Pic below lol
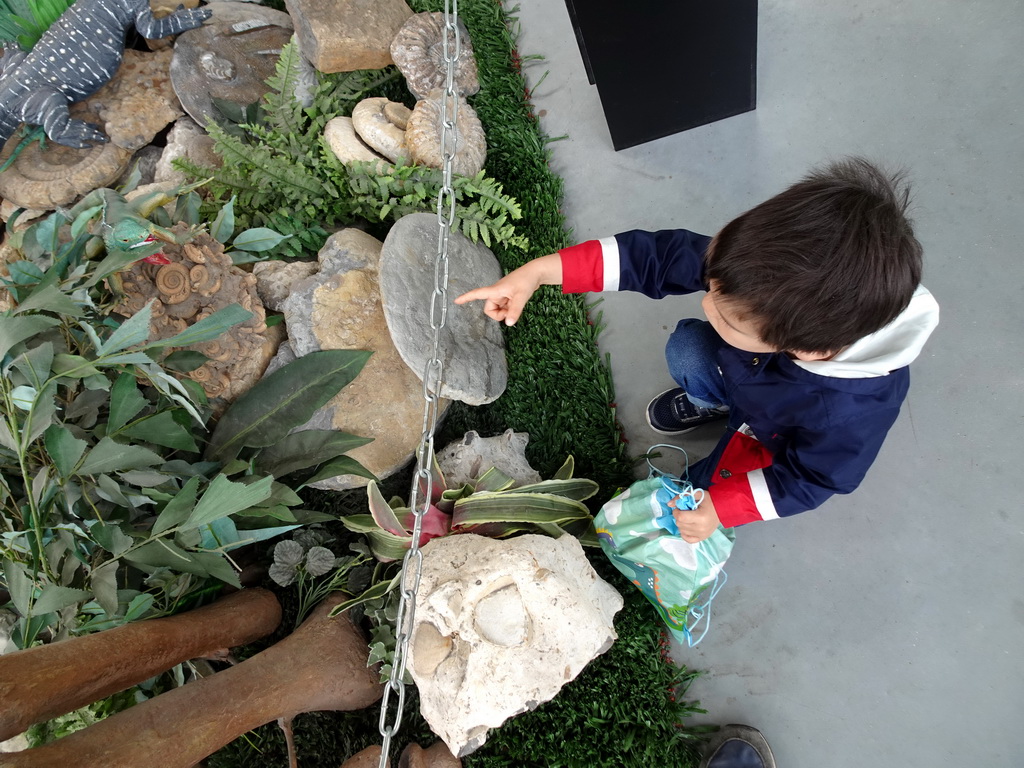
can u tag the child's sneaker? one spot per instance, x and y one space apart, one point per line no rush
672 413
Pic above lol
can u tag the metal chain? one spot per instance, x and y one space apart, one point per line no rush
433 375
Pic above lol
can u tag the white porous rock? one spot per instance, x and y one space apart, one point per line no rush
465 460
501 626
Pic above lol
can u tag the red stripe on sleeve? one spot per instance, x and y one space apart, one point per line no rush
582 267
731 493
734 502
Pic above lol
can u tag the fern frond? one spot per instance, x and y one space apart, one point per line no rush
284 113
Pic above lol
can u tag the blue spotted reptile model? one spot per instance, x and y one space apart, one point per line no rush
74 58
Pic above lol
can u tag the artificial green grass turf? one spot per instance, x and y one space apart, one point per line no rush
619 711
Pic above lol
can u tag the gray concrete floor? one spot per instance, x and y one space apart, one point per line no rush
887 627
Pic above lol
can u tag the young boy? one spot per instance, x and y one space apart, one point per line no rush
814 311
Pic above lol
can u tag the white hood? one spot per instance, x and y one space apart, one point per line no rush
896 345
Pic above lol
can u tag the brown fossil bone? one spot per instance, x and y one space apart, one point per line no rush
413 756
42 682
320 666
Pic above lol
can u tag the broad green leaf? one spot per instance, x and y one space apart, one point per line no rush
309 448
25 273
161 553
138 607
23 397
494 480
46 231
104 586
162 429
111 538
187 208
115 261
14 330
223 534
382 513
184 360
6 438
74 366
258 239
79 225
207 329
578 488
54 598
378 590
224 225
134 330
144 478
44 409
126 402
179 508
284 400
35 364
343 465
134 177
258 517
223 498
282 494
217 566
240 257
359 523
19 585
386 546
566 470
63 448
109 456
516 508
50 298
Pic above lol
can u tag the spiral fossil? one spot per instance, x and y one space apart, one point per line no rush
199 281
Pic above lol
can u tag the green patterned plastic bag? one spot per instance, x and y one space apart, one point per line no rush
637 531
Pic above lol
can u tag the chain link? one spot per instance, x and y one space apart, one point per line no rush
433 375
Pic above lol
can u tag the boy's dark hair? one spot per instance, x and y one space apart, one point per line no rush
828 261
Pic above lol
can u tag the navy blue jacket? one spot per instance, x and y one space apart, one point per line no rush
798 431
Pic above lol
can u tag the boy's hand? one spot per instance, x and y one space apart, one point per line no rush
697 524
504 301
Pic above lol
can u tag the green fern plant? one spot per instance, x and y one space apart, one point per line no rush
285 177
483 211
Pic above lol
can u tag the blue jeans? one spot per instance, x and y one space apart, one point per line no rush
690 353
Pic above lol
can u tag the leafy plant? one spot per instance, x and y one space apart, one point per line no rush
109 510
25 21
305 558
382 191
491 505
284 176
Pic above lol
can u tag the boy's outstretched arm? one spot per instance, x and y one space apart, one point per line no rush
506 298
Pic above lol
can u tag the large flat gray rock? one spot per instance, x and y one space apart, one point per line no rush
472 347
339 307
